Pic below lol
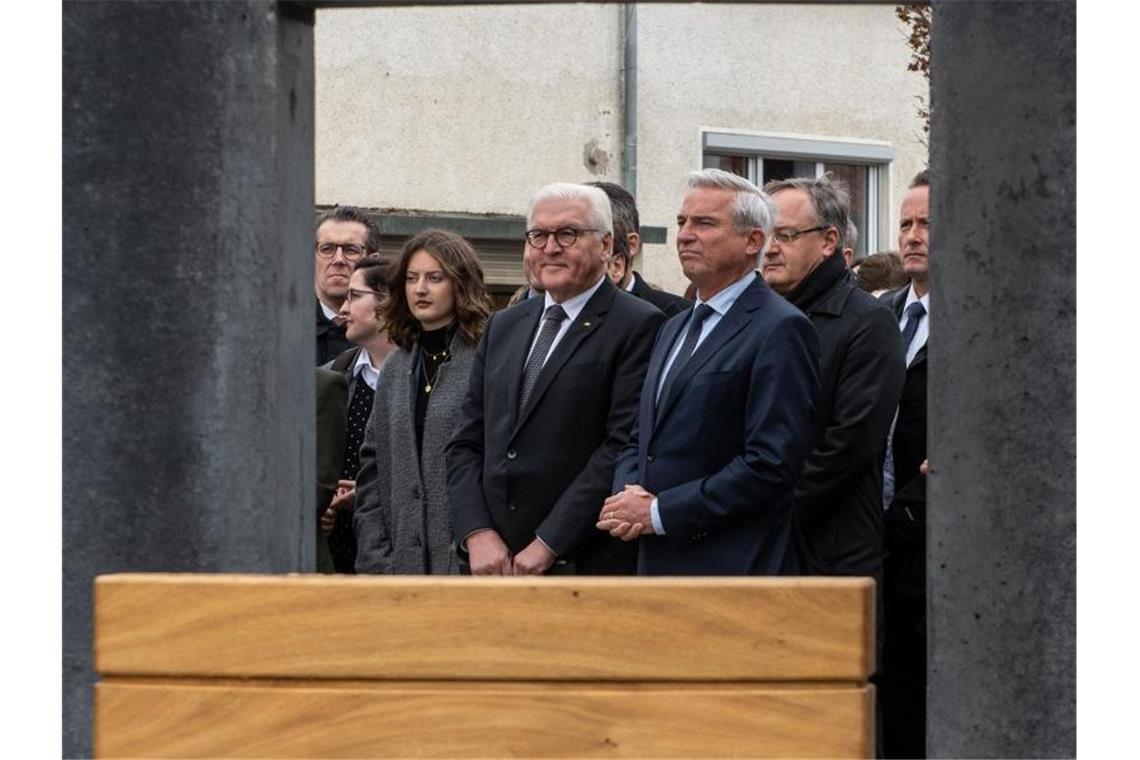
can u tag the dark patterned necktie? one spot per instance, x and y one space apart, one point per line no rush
701 313
551 321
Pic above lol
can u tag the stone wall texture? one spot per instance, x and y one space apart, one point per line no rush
1002 519
187 301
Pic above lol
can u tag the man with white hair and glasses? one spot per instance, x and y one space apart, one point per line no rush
552 397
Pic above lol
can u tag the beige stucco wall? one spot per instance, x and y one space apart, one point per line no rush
463 109
471 109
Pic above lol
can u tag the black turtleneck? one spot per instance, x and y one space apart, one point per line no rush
434 353
819 282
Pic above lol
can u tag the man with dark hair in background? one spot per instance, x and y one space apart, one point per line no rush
344 234
627 246
903 683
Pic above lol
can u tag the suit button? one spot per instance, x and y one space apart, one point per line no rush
511 454
648 457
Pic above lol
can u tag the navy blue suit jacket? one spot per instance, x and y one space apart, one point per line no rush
722 452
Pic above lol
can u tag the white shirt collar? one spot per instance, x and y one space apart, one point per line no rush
911 297
723 301
329 313
573 306
363 367
632 282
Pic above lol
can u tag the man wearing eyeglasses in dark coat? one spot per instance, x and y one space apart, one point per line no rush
344 234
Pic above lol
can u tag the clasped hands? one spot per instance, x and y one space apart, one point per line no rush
626 514
489 555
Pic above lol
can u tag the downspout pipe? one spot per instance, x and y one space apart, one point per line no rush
629 98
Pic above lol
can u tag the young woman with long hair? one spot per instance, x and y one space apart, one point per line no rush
435 313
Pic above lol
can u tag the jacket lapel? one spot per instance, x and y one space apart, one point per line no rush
589 319
730 324
669 333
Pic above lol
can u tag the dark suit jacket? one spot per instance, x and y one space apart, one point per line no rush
838 522
906 514
330 339
332 406
666 302
546 469
723 450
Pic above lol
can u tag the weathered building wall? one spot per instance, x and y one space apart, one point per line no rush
471 109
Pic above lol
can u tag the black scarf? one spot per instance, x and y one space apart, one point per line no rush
819 281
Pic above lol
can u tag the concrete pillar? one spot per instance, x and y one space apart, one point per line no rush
1002 494
188 387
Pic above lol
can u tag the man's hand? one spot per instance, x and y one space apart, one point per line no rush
488 554
535 559
625 515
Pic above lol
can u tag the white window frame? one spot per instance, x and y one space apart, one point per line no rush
876 155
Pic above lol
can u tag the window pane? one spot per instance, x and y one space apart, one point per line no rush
738 165
854 177
779 168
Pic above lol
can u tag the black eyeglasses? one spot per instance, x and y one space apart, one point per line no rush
565 237
790 236
353 293
352 252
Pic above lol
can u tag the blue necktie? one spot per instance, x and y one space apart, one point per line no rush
914 314
699 316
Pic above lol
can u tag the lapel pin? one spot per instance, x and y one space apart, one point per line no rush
585 324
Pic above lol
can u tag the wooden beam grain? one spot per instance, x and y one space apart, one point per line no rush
595 629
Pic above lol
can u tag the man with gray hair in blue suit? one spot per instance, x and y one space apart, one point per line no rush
725 417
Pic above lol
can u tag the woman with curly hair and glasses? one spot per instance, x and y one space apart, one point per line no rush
435 313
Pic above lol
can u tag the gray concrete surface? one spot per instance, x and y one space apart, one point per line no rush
1002 512
187 301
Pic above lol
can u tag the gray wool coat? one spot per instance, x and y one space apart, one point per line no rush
402 518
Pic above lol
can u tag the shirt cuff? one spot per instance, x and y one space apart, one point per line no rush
655 518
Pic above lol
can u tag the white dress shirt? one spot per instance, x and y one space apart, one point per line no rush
330 314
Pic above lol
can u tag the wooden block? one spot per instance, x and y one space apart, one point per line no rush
536 720
666 629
